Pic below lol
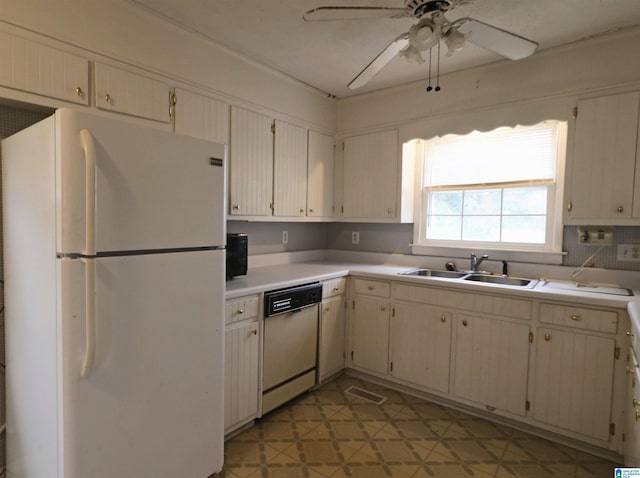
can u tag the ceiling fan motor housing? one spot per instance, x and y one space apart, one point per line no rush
419 8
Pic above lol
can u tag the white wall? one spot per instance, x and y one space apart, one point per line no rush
542 86
120 31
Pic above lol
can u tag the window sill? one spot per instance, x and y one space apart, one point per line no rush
535 257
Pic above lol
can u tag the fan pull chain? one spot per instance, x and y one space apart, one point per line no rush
429 87
438 70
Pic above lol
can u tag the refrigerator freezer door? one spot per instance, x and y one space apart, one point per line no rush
153 189
152 405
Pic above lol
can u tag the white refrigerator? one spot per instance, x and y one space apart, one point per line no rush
114 255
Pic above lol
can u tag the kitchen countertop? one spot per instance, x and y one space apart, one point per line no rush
271 277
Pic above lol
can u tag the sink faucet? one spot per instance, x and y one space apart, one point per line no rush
475 261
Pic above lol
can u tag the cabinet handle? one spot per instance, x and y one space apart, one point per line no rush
620 209
371 287
107 98
637 416
547 337
629 334
635 402
464 323
570 206
443 319
79 91
240 311
254 332
576 317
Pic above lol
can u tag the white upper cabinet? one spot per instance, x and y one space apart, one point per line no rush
320 167
41 69
133 94
201 116
603 168
250 163
370 176
289 170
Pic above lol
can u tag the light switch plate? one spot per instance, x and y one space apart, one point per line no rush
355 237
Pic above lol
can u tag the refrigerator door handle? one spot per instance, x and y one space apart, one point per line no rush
90 191
90 319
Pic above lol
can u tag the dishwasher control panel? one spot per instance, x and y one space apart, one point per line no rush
291 299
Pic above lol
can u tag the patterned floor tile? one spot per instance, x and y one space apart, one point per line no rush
329 433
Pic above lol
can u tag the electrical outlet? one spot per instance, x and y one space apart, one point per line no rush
355 237
628 252
285 237
595 237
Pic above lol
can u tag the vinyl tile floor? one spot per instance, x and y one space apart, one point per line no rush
332 433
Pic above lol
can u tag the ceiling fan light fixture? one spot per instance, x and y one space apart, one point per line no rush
412 54
425 34
455 40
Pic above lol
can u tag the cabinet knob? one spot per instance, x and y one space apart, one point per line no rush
465 323
336 289
443 319
389 211
236 207
635 402
240 311
547 337
107 98
576 317
382 307
79 91
630 370
569 206
301 211
371 287
310 211
326 310
629 334
620 209
637 416
254 332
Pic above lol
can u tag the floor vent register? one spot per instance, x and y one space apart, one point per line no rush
365 395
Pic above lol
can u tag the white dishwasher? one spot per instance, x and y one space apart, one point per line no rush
290 348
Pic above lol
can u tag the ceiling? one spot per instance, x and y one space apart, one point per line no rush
329 54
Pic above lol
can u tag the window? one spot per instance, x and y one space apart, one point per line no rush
493 190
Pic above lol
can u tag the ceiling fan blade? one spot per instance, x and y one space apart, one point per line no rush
351 13
495 39
380 61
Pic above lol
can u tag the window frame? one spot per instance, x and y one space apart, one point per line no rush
550 252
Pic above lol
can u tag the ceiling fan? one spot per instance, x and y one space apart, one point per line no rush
432 26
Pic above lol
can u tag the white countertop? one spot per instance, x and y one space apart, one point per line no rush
270 277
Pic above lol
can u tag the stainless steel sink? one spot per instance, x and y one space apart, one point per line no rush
502 280
435 273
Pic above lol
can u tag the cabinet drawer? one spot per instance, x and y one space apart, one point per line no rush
241 309
579 317
372 287
334 287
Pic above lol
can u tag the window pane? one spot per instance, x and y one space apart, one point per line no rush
481 228
444 227
482 201
524 229
446 202
525 201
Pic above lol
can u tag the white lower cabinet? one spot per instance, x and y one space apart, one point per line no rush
421 345
370 335
491 363
332 337
632 407
241 379
573 382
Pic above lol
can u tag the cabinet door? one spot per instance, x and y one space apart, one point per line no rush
421 345
129 93
320 163
491 363
332 336
371 175
36 68
241 374
573 383
632 427
604 157
289 170
250 163
201 116
370 335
